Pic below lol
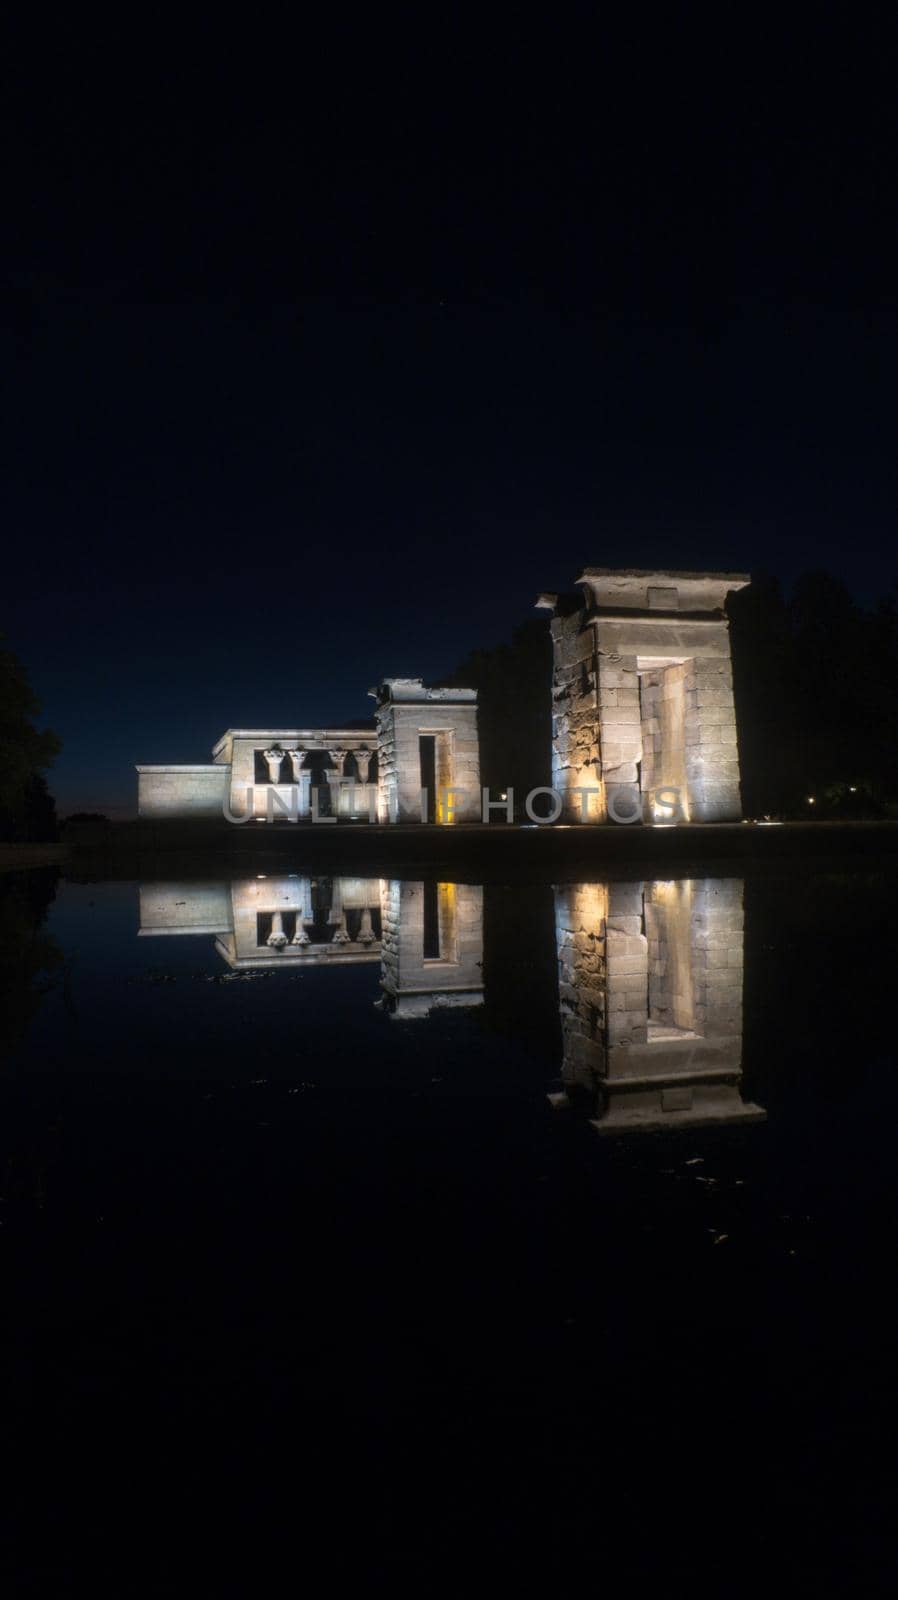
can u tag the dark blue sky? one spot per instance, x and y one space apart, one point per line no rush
311 380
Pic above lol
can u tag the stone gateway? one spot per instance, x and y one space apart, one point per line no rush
643 720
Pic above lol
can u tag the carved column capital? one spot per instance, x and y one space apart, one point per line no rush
273 759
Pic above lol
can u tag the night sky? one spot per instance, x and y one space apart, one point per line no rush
322 357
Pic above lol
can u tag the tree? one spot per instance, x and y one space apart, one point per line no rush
514 708
26 808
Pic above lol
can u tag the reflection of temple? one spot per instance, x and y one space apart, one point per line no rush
428 937
432 946
650 990
272 922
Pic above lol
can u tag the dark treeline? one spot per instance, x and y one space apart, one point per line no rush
30 960
514 694
816 686
27 809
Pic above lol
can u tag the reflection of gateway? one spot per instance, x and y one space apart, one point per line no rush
428 937
432 946
650 989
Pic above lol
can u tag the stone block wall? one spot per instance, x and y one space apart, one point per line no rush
717 957
186 792
619 731
575 734
176 908
580 913
711 749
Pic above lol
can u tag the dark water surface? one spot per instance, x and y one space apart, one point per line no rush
386 1232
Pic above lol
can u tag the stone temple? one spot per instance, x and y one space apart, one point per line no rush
423 739
643 721
643 727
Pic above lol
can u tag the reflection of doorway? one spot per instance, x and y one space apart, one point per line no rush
668 926
440 931
662 709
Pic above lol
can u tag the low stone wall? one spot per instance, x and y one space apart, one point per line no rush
187 792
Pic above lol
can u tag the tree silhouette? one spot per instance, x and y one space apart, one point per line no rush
26 808
514 708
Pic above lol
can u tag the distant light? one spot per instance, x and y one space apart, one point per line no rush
503 795
261 874
852 788
811 800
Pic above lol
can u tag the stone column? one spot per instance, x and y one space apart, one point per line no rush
366 931
277 937
620 734
363 762
337 916
273 759
335 779
302 778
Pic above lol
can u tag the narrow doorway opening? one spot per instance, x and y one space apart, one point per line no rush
427 746
662 709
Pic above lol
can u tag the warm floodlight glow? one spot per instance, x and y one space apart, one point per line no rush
811 800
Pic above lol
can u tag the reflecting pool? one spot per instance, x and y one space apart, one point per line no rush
401 1228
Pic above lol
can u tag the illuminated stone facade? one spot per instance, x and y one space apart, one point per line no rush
337 774
643 720
407 714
